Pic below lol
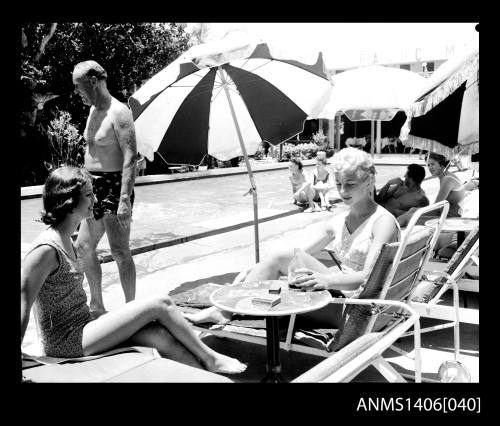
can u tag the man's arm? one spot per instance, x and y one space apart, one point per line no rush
388 189
125 134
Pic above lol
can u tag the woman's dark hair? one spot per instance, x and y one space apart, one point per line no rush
441 159
296 161
61 193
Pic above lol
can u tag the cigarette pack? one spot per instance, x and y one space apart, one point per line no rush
275 288
268 301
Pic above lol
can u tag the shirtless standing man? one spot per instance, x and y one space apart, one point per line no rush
111 157
399 196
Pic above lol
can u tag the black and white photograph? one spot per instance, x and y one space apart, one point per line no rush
250 202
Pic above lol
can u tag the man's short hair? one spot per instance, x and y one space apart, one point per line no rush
92 69
416 172
297 162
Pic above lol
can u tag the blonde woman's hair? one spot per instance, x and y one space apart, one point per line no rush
353 160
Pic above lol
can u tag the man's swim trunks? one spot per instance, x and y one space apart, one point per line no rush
107 187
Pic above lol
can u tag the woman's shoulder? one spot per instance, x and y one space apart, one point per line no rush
42 252
44 243
382 218
382 212
451 179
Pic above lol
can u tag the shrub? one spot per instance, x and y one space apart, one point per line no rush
66 144
304 151
320 139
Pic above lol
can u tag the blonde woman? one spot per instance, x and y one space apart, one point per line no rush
356 235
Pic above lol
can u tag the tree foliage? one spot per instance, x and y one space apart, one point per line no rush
131 53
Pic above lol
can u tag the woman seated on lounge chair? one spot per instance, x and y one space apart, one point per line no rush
52 278
357 236
451 189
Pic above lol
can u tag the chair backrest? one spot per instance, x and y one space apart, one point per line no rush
456 265
359 319
401 275
392 276
412 254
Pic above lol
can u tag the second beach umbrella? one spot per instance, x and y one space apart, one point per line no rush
372 93
223 99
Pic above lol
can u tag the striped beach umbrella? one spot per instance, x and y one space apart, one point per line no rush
224 99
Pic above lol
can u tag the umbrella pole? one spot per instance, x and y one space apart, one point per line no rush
253 188
372 137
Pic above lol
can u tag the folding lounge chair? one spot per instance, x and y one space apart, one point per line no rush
426 297
131 364
374 321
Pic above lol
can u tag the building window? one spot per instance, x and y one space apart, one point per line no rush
430 66
405 67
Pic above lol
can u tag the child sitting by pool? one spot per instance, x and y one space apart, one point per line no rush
299 182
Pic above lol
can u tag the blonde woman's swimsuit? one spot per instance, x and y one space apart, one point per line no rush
352 248
61 308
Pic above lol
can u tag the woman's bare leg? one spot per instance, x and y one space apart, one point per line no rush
121 324
322 199
270 269
310 193
277 265
156 336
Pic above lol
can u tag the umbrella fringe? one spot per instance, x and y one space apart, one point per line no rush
438 148
469 69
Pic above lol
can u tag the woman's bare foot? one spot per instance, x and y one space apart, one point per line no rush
224 364
211 315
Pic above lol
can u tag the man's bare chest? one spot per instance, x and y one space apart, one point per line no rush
99 130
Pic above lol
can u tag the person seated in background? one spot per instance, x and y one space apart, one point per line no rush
320 183
299 183
398 196
313 188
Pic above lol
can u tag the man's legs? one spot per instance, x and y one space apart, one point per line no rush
119 238
89 235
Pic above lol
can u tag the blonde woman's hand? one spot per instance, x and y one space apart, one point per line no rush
309 280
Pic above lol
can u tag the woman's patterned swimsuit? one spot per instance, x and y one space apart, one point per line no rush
61 308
